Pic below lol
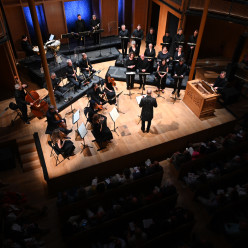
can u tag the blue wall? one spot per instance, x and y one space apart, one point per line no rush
73 8
120 12
42 22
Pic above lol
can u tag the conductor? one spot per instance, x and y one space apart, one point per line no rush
147 103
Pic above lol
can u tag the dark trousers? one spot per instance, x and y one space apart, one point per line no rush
161 83
141 79
24 111
76 83
190 55
124 47
178 84
130 81
138 43
59 92
150 69
148 125
96 38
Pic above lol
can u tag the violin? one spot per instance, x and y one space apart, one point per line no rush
39 106
98 106
112 81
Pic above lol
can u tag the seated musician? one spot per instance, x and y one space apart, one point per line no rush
220 82
151 38
150 53
134 49
161 75
143 66
95 25
109 89
164 54
100 128
71 74
58 90
62 144
95 93
92 109
179 72
54 122
138 33
124 33
167 39
26 46
131 67
178 54
85 65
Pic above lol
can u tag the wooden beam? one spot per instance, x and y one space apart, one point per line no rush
199 38
31 4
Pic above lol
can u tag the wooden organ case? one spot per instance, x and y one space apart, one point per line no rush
200 97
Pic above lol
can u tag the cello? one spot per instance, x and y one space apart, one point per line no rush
39 106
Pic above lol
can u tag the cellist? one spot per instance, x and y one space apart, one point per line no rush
20 101
54 121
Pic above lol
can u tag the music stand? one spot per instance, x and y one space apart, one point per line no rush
114 116
82 132
122 44
175 96
68 37
138 99
100 48
117 101
130 73
143 80
159 95
72 110
75 118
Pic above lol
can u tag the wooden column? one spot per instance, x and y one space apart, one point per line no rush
140 10
199 38
31 4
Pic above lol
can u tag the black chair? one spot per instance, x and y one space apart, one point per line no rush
98 140
55 153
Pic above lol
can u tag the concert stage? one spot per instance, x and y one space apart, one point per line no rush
173 127
38 77
106 42
119 73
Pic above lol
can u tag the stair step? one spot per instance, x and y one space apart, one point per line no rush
27 148
28 157
23 142
32 165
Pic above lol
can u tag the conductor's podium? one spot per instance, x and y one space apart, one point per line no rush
200 97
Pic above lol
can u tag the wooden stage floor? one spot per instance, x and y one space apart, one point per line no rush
171 122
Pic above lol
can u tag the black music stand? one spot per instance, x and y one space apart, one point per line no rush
138 99
68 37
143 80
130 73
159 95
82 132
122 45
165 44
72 109
99 45
175 98
117 101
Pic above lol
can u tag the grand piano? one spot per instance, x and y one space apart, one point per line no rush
200 97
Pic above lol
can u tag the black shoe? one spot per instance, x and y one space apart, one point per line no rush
143 130
27 122
69 131
144 88
178 94
147 131
173 92
140 87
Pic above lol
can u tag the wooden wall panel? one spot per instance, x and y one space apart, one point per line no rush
140 10
109 14
17 26
55 18
128 12
163 19
219 39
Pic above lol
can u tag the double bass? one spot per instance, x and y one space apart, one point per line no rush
39 106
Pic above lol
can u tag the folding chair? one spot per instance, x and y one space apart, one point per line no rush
55 153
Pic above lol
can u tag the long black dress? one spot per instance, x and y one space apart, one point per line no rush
104 134
110 95
67 148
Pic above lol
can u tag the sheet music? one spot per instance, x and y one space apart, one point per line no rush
75 117
51 37
114 114
82 130
138 98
